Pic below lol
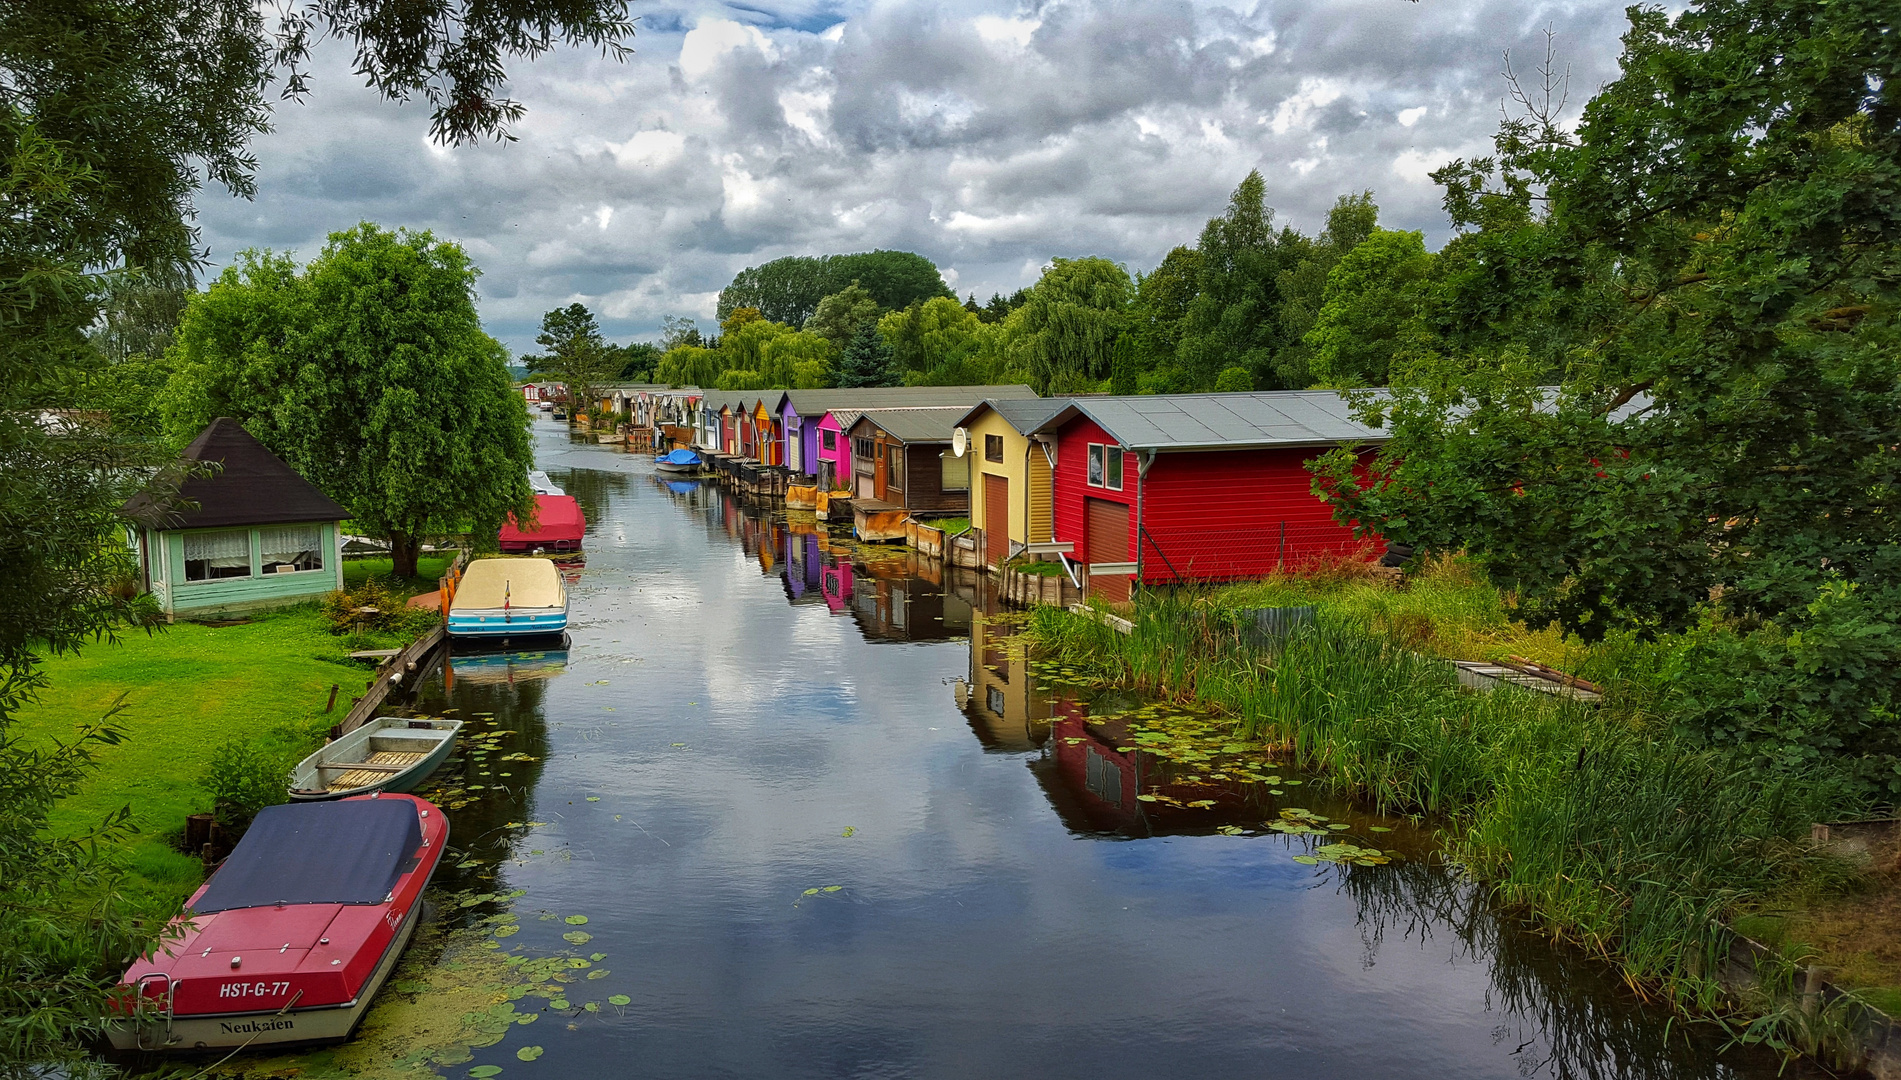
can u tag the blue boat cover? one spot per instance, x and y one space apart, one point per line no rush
348 852
680 457
682 487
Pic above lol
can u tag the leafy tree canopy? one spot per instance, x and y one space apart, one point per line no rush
370 374
1061 339
1371 310
788 290
840 315
1709 272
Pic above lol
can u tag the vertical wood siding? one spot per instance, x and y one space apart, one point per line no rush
1220 515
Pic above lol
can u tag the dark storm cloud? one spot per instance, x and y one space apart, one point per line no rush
988 138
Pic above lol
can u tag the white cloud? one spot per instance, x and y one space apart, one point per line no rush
989 140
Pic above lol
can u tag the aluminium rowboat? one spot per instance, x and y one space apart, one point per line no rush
390 753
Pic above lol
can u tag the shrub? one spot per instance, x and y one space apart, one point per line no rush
244 779
344 609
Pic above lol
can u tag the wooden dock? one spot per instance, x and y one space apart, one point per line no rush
1483 675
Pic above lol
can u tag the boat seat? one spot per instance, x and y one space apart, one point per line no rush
388 761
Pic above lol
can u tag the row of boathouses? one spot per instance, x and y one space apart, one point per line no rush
1113 489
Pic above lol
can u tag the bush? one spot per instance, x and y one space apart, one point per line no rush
244 779
344 609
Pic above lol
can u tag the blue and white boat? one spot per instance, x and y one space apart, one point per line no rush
509 598
678 461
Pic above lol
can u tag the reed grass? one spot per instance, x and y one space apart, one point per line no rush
1593 823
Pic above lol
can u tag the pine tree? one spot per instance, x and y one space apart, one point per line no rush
867 360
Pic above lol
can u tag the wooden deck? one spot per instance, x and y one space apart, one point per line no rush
388 760
1481 675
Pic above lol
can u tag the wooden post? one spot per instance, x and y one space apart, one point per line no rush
332 703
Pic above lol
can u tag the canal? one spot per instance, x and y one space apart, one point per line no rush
785 808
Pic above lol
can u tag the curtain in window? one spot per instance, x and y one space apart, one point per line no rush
288 548
217 555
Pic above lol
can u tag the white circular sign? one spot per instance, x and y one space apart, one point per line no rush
960 441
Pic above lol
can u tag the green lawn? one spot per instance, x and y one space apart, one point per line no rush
188 689
428 569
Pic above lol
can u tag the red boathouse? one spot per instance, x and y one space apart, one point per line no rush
1198 487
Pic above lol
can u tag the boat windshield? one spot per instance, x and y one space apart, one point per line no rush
348 852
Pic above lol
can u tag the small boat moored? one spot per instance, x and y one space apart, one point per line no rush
678 461
295 933
390 753
509 598
559 526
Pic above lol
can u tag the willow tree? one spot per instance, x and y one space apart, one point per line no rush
370 374
1063 337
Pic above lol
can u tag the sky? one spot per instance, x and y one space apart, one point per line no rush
989 138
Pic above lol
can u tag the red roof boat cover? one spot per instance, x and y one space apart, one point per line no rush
348 852
561 522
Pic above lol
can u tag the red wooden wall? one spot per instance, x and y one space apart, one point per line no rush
1070 486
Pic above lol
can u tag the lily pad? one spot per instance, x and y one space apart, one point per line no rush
528 1053
486 1070
592 1006
598 957
559 1003
578 937
620 999
576 920
597 973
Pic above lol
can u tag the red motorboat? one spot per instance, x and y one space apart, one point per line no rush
297 930
560 525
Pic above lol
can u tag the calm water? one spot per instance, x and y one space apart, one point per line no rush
739 696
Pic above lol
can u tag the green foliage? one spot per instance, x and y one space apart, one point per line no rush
376 604
1371 310
574 353
244 779
1710 277
937 336
689 365
1063 338
1234 378
1232 318
788 290
839 316
637 360
370 374
867 360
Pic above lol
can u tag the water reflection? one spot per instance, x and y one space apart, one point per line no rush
1005 904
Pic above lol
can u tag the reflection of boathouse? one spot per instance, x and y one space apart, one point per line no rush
803 568
1000 700
1091 784
893 603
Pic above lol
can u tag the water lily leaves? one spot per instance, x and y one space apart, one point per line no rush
1377 828
593 798
559 1003
578 937
1230 830
1308 859
620 999
848 831
598 957
528 1053
576 920
506 931
809 892
597 973
1336 826
486 1070
1148 798
502 1008
577 963
527 1018
833 888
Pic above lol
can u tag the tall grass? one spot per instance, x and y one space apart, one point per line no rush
1605 832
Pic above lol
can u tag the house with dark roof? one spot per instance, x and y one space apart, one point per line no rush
903 466
802 416
1197 487
245 534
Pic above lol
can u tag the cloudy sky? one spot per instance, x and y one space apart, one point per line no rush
988 137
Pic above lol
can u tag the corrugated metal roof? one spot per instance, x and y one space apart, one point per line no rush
819 402
1222 421
928 424
1023 414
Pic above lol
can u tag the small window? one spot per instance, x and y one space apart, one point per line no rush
1113 454
215 556
290 549
1095 464
894 464
830 439
993 448
993 698
862 448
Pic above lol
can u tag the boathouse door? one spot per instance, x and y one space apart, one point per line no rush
996 518
1108 542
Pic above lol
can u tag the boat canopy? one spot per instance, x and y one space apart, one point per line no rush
558 518
522 583
680 457
348 852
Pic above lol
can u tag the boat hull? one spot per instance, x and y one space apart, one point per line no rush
675 470
306 779
329 1024
514 623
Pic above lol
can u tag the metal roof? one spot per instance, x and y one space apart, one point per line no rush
1222 421
1023 414
928 424
820 402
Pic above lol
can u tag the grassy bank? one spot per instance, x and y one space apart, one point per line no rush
188 690
1594 822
